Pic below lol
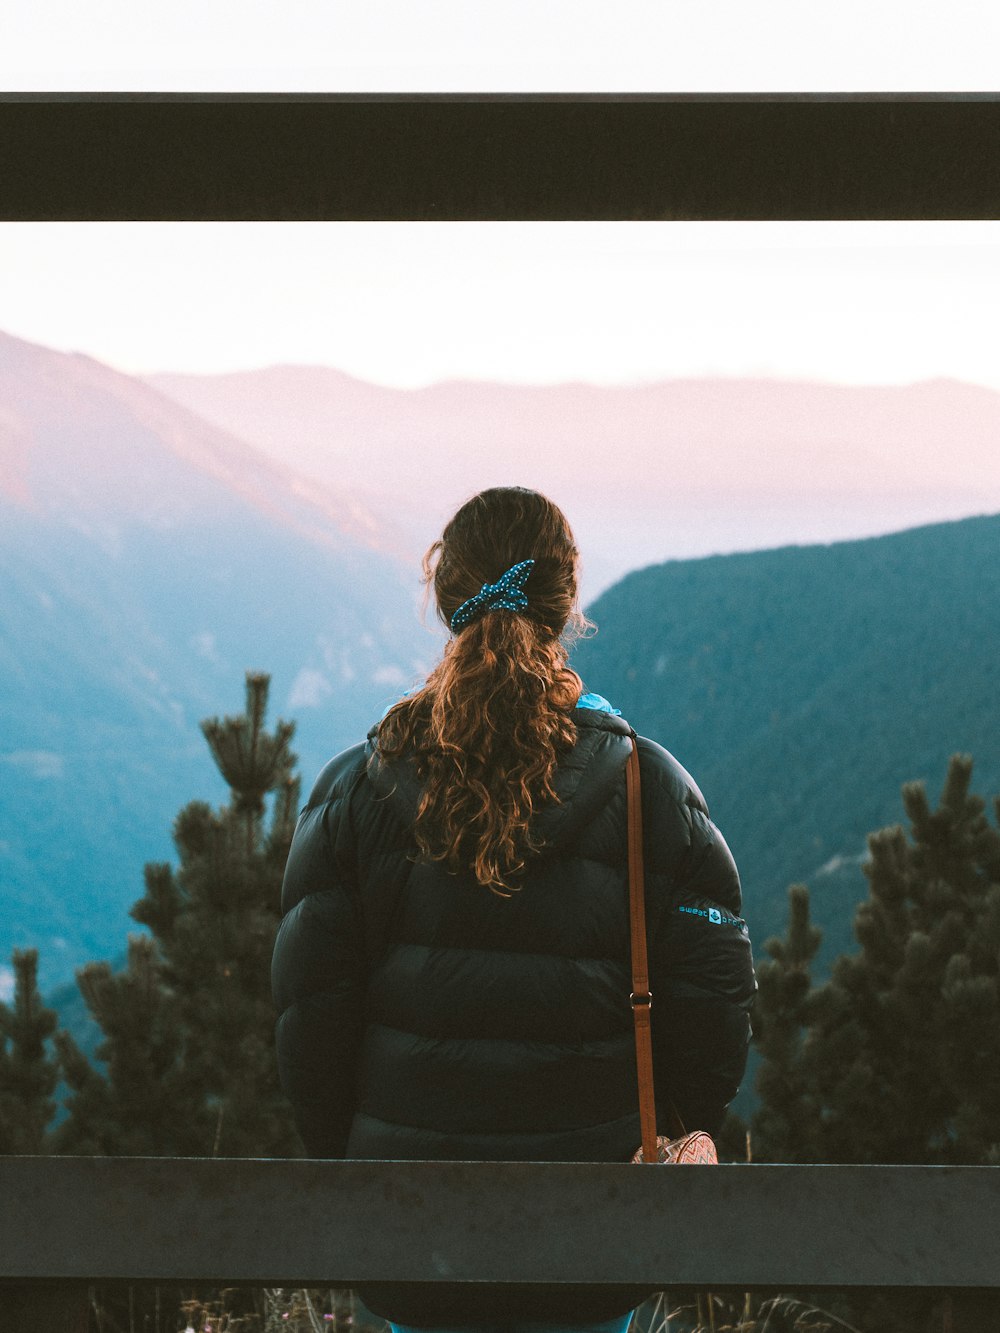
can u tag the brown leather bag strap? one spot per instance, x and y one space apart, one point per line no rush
641 998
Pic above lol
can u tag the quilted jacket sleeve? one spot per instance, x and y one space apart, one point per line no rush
701 969
318 966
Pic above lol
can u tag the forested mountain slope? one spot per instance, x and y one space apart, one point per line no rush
803 686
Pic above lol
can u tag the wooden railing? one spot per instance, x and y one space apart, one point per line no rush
67 1222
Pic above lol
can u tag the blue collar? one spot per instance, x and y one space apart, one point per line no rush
598 703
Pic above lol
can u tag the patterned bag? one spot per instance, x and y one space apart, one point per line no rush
656 1148
690 1149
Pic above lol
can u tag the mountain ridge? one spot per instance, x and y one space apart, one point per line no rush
644 472
87 388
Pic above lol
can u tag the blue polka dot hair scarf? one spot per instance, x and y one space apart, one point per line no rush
505 595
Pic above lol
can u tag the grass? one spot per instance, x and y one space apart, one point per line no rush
714 1314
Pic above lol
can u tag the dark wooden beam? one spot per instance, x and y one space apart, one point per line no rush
436 157
294 1223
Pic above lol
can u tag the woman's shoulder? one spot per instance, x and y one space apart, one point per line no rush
679 825
657 764
339 775
660 766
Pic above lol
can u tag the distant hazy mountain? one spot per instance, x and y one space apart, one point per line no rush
148 559
646 472
803 686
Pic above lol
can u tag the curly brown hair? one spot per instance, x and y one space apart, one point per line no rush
488 725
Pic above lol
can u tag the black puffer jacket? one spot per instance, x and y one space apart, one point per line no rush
421 1016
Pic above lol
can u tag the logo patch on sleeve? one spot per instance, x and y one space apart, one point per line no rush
714 915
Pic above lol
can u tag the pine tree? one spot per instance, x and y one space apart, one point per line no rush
783 1128
146 1103
28 1074
897 1057
913 1020
188 1026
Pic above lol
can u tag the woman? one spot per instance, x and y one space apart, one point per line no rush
452 971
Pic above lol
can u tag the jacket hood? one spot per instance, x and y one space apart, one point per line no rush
586 778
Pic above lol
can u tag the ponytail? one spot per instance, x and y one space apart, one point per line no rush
488 726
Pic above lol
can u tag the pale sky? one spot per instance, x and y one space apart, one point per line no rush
413 303
408 304
510 46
